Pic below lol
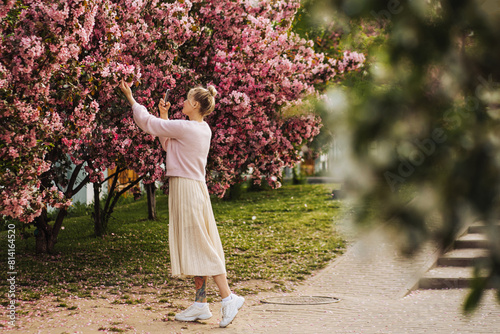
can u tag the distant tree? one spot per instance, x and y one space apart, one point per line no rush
428 122
336 36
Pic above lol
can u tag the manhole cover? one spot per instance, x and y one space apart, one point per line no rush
303 300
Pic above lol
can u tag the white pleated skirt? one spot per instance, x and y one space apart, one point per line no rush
194 242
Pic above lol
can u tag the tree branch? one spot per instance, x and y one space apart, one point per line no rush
72 180
109 210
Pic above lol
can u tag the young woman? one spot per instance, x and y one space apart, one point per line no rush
195 246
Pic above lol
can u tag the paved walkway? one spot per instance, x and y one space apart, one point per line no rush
371 280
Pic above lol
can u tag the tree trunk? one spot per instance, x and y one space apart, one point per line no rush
98 224
101 215
298 176
234 192
43 233
46 235
151 194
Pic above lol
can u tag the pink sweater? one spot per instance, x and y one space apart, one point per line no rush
187 142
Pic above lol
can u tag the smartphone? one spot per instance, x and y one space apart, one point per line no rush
166 95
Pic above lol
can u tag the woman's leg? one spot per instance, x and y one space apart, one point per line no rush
230 304
221 281
199 310
201 288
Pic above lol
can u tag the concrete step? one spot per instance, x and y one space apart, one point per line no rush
462 257
480 227
446 278
472 240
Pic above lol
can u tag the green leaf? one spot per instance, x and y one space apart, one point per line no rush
477 289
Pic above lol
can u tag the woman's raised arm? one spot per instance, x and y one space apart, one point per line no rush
127 91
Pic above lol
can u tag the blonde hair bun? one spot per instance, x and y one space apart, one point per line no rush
211 89
206 98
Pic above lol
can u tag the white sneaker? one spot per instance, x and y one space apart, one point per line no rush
193 313
230 308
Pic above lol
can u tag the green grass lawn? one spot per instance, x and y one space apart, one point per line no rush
272 235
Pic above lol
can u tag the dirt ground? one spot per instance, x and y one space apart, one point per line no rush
139 311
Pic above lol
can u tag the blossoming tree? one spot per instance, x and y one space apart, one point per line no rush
60 63
46 108
260 69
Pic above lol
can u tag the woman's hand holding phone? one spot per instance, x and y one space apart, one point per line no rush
164 106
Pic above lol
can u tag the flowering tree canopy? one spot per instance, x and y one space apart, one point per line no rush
46 108
60 62
260 68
